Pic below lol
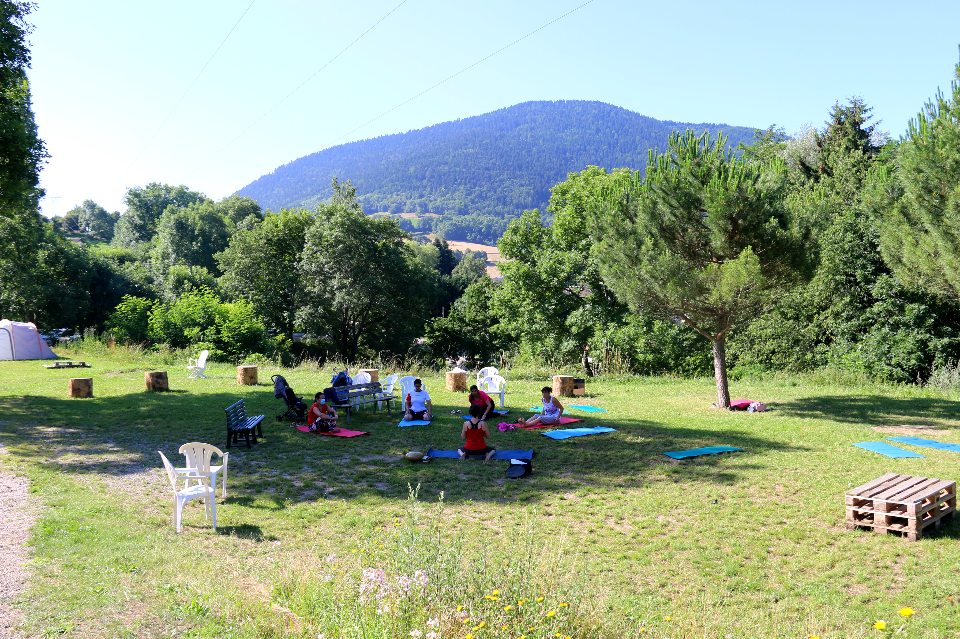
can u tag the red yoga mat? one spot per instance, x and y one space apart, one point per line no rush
563 420
343 432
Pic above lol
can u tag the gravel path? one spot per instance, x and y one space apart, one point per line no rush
15 521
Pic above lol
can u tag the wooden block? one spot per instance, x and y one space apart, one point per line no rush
246 375
156 381
456 381
901 503
563 385
373 372
80 387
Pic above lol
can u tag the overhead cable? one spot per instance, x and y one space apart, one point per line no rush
461 71
184 94
271 109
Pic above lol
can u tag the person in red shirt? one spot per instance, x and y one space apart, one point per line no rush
474 435
321 416
479 398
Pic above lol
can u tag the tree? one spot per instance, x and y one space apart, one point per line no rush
367 290
190 236
261 265
920 238
704 238
237 208
145 205
21 150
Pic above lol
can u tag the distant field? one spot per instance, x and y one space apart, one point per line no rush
493 254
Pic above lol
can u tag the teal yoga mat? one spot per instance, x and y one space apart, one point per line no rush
413 422
696 452
926 443
587 409
578 432
886 449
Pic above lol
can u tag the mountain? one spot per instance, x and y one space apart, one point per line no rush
471 176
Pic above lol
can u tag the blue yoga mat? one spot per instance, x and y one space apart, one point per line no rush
578 432
886 449
709 450
496 412
587 409
413 422
500 454
926 443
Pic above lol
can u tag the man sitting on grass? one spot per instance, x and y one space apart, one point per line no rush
419 405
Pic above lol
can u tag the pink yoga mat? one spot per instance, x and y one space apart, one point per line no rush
563 420
343 432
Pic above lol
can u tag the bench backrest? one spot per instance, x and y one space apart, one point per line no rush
236 413
346 393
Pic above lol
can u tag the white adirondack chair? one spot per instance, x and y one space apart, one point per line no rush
387 387
181 496
406 387
484 373
494 385
199 456
198 366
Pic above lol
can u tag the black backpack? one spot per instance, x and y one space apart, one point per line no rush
519 468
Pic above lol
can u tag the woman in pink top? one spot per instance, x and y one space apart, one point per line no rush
479 398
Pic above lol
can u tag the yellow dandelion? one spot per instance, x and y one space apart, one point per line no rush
667 618
354 550
564 605
906 612
643 629
539 599
880 625
475 628
551 613
495 592
507 608
396 520
466 621
469 636
459 608
482 624
520 602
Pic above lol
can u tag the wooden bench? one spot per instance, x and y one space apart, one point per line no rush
239 424
359 394
67 365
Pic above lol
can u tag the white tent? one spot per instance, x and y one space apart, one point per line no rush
20 340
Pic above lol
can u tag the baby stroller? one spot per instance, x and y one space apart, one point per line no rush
295 405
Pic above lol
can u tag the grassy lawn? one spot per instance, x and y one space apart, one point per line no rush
608 537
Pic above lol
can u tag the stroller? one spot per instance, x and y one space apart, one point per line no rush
295 405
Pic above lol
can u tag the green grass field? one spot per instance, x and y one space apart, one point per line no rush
608 537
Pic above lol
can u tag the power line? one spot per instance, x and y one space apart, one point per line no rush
184 95
271 109
462 71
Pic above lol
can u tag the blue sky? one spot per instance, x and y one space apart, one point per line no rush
106 73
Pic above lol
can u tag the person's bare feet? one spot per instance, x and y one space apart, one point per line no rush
462 456
489 455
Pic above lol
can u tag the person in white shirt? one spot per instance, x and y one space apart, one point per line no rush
418 404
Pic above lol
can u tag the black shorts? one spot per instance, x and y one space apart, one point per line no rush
482 451
420 414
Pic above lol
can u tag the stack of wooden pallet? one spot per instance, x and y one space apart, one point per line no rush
901 503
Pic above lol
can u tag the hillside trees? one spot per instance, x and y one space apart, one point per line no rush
145 205
704 237
261 265
367 292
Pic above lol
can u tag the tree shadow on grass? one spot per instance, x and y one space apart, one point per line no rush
875 410
246 531
119 435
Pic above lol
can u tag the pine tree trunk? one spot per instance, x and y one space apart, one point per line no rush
720 371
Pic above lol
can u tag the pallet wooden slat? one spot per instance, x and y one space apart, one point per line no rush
901 503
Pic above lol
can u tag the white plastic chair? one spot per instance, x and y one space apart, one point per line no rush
180 497
484 373
198 366
387 387
199 456
494 385
406 387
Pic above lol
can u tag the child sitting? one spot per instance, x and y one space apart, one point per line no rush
322 417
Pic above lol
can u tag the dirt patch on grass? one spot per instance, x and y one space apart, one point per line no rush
909 429
16 518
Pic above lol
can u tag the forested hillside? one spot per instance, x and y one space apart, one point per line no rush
477 173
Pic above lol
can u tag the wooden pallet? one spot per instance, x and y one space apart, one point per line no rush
67 365
901 503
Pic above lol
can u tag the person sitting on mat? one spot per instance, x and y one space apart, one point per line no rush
322 417
479 398
419 405
475 434
552 409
